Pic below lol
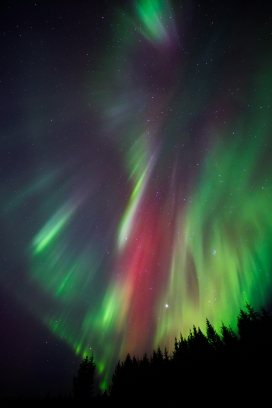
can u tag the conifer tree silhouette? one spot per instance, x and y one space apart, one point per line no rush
204 362
83 381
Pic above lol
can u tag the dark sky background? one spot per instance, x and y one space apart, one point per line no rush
135 178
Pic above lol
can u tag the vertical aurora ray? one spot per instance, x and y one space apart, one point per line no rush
221 258
52 228
156 18
174 225
140 171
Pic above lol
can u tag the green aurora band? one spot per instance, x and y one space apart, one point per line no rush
215 255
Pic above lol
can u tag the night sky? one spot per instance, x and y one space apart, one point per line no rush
135 178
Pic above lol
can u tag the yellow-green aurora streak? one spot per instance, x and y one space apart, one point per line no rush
203 255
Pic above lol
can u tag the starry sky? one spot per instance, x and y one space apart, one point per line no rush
135 178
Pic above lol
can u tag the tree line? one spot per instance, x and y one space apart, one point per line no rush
225 368
229 365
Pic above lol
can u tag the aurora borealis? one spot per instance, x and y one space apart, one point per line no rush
136 169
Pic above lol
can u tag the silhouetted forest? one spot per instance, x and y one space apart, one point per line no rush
219 368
